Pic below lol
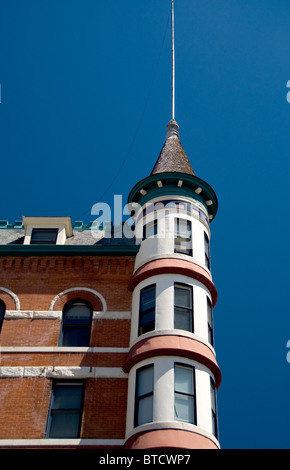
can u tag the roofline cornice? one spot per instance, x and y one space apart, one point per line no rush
68 250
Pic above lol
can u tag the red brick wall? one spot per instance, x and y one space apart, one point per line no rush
112 333
29 332
45 332
36 285
104 415
25 405
8 300
36 282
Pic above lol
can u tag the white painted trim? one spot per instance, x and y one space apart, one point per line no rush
14 296
60 349
86 289
60 442
62 372
63 224
61 233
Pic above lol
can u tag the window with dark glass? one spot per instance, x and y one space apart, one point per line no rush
214 408
183 307
184 394
147 309
206 251
2 313
209 321
65 411
203 216
45 236
150 229
144 395
182 236
76 324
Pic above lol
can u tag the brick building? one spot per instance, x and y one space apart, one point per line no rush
107 339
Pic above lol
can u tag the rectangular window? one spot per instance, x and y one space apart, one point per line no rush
144 395
184 394
150 229
214 408
181 206
182 236
183 307
206 250
209 322
147 309
64 419
45 236
203 216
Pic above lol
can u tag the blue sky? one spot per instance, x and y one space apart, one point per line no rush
85 100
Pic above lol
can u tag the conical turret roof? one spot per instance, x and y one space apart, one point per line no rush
172 158
173 174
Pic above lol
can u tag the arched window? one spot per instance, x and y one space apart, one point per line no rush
76 324
2 313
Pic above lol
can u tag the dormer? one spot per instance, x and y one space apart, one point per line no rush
47 230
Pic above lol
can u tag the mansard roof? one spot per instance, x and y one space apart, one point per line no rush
85 239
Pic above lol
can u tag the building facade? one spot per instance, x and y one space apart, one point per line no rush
107 339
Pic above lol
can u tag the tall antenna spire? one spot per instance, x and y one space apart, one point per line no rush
173 60
172 126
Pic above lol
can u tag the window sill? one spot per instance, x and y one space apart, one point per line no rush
25 443
60 349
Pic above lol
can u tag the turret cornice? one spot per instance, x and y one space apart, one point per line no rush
175 184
